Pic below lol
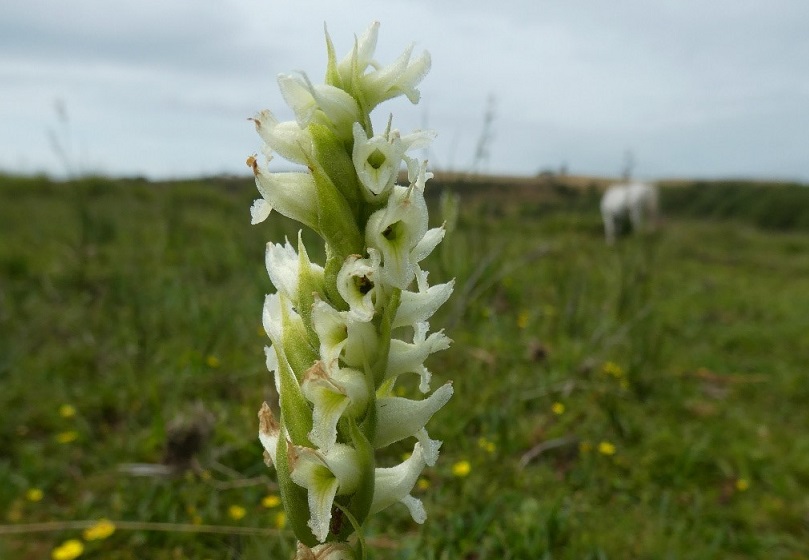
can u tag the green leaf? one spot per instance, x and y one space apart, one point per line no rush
335 158
296 413
332 75
295 498
299 351
336 223
380 366
361 500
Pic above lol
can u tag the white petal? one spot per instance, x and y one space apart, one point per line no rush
394 484
399 418
324 475
427 243
334 394
291 194
287 138
395 230
405 357
417 307
416 509
282 267
259 211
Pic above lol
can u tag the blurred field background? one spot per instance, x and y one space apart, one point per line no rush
647 400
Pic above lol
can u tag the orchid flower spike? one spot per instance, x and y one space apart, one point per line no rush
343 330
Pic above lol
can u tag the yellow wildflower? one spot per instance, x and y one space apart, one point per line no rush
612 369
522 319
212 361
68 550
280 520
742 484
461 469
558 408
236 512
423 484
100 531
67 411
606 448
34 494
67 437
271 501
486 445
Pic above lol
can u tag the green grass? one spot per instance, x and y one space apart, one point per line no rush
132 302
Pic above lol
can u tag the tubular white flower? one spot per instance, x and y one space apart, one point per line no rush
377 159
286 330
399 418
334 393
279 318
355 341
361 56
319 103
286 138
417 307
400 77
284 268
290 194
405 357
356 283
394 485
324 475
395 231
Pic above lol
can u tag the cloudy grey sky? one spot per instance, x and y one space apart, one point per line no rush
163 89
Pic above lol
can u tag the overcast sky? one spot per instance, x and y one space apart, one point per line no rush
163 89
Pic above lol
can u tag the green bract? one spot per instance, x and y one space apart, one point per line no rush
342 333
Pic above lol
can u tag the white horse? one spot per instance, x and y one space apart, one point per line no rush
635 201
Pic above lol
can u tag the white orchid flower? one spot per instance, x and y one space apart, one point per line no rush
285 328
395 484
291 194
284 267
406 357
399 418
340 337
333 393
287 138
395 231
357 284
325 475
377 159
398 78
417 307
323 103
361 56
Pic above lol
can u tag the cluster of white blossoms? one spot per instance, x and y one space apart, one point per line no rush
343 333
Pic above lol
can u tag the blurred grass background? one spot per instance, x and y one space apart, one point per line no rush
647 400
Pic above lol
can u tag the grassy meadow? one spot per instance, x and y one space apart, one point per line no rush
648 400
